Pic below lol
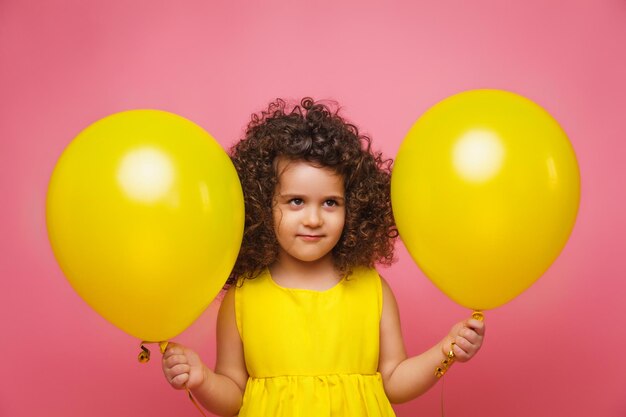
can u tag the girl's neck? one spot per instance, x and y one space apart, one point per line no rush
318 275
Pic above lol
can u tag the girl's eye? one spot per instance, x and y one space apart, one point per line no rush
330 203
296 201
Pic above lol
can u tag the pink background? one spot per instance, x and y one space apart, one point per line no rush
557 350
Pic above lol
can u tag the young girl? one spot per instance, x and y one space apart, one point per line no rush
310 328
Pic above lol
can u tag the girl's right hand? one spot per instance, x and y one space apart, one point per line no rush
182 367
467 336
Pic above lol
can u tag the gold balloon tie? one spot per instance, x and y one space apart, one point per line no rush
144 357
446 363
478 315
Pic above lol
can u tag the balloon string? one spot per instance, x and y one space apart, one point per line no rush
442 403
193 400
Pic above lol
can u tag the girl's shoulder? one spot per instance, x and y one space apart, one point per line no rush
366 285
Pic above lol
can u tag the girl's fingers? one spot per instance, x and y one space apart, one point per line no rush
476 325
178 375
467 337
173 349
459 353
472 336
467 344
176 365
179 381
174 360
464 349
179 369
463 344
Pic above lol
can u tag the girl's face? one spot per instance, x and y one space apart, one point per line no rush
309 211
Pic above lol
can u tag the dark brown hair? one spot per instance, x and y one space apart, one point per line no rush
313 132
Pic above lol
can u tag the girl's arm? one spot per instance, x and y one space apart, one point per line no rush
406 378
219 391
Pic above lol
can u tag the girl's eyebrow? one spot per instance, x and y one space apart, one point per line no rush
335 197
328 197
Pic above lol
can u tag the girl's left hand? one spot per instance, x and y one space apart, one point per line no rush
468 337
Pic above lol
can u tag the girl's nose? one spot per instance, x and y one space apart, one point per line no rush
313 218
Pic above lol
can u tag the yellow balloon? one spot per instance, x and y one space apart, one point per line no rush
145 216
485 191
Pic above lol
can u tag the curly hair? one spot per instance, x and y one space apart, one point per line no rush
314 133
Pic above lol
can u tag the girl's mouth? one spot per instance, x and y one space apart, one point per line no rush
310 238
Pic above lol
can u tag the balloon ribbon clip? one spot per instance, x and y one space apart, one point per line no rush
144 355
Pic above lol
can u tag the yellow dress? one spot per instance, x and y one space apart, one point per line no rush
312 353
